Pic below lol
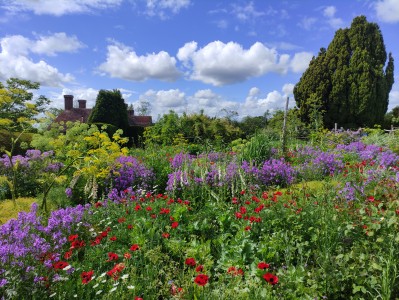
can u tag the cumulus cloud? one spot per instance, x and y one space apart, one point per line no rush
329 13
300 61
161 8
387 10
255 104
58 7
58 42
122 62
219 64
88 94
15 62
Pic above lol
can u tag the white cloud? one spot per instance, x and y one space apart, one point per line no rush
58 7
219 63
169 99
300 61
256 105
58 42
162 7
123 62
387 10
14 62
247 12
88 94
329 13
307 23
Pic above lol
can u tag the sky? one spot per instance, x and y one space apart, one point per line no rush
217 56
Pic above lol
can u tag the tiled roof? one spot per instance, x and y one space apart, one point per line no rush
82 115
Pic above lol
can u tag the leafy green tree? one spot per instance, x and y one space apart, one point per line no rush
110 108
18 110
249 125
347 83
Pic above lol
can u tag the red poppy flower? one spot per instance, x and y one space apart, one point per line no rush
72 237
175 224
234 200
190 262
86 276
248 228
238 215
104 233
137 207
270 278
154 216
130 226
242 192
77 244
165 235
96 241
121 220
164 211
201 279
199 268
127 255
113 238
138 298
98 204
112 256
134 247
262 265
60 265
148 208
68 254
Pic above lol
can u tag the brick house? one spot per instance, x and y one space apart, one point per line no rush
81 113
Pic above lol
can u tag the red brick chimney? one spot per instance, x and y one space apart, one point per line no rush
82 103
68 102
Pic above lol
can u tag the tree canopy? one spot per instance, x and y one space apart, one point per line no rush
349 82
110 108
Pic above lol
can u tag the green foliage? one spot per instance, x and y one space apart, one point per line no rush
347 83
18 111
260 147
110 109
87 154
171 129
250 125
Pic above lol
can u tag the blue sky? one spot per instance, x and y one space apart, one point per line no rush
184 55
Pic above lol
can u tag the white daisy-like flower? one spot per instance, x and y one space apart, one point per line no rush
96 285
130 287
99 292
102 275
52 295
126 276
113 289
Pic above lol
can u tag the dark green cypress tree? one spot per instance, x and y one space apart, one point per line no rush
347 83
110 108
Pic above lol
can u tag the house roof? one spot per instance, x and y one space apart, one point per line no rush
82 115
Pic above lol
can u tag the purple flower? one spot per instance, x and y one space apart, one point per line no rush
68 192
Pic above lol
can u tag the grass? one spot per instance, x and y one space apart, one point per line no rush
9 211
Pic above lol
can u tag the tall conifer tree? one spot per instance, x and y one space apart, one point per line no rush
348 83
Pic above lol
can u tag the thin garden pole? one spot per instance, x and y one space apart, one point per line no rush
284 143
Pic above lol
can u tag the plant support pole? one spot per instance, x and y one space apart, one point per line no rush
284 142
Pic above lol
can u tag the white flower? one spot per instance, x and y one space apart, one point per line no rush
67 268
126 276
96 285
116 284
130 287
99 292
112 290
102 275
52 295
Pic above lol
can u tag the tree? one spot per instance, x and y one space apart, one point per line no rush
347 83
110 108
144 109
18 111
